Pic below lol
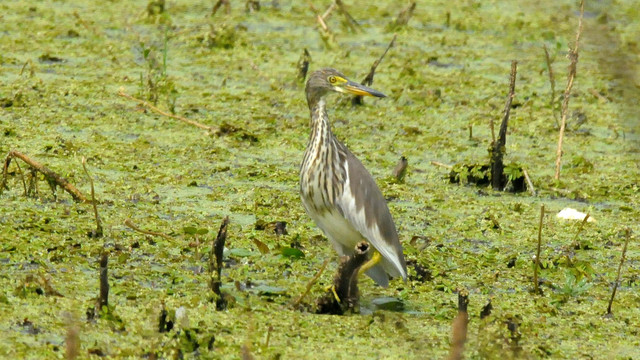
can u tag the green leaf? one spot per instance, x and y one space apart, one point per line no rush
190 230
268 290
202 231
292 253
239 252
262 247
388 303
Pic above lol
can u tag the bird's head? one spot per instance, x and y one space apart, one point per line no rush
322 81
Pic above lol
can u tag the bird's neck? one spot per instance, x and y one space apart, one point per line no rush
320 128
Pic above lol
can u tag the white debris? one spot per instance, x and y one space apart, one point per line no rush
181 317
573 214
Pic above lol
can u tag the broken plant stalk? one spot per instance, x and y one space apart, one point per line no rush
303 65
400 170
498 149
368 80
215 265
459 327
103 300
345 295
535 270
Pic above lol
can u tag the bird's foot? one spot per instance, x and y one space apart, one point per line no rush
375 259
332 288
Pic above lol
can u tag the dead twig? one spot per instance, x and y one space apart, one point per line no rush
323 25
210 129
216 7
328 12
573 57
368 80
535 270
437 163
321 18
529 183
310 284
134 227
615 285
98 231
552 82
49 174
498 149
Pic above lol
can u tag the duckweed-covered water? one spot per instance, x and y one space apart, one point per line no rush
62 64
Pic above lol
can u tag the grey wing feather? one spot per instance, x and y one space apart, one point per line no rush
363 205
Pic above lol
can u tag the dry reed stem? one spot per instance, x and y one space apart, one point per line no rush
615 286
48 173
98 232
437 163
310 284
552 82
573 57
529 183
498 151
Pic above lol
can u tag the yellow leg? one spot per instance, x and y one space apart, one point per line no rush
333 290
375 259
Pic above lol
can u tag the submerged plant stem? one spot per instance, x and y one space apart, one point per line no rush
98 232
158 111
134 227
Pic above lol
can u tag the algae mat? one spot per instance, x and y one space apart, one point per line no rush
62 64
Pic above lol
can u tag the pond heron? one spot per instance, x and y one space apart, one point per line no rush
338 192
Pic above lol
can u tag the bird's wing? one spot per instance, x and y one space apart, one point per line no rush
363 205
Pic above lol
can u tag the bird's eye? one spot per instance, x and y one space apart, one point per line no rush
332 79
